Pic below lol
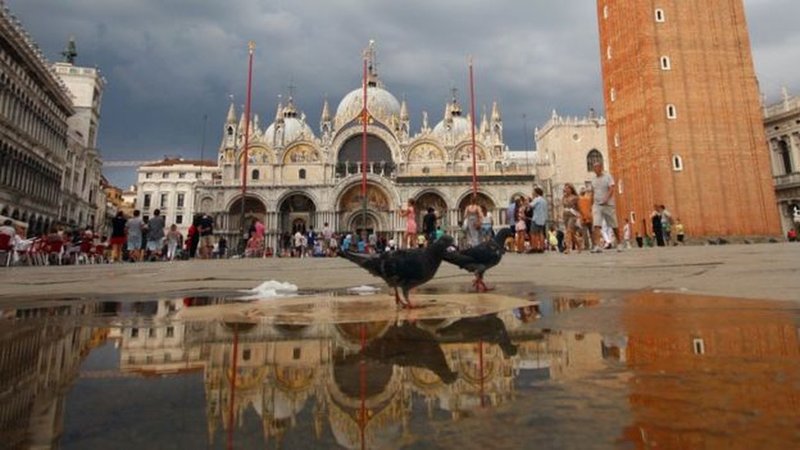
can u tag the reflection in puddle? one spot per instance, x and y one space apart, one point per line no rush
678 372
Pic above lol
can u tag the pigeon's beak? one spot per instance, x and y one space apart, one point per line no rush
452 248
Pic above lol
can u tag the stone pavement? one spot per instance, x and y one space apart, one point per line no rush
761 271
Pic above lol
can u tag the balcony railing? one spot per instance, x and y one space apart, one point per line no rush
788 180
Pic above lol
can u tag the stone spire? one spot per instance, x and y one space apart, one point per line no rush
484 127
279 112
404 110
326 111
231 119
496 112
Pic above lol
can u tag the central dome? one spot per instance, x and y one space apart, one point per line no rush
380 103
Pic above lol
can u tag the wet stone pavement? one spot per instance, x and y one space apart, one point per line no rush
518 368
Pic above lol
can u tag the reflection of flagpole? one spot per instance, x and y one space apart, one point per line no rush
362 378
364 116
251 46
480 366
472 127
231 416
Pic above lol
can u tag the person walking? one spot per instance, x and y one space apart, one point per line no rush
680 231
571 217
133 228
206 229
473 215
603 206
155 234
666 225
585 201
487 227
410 215
174 239
520 227
655 220
538 220
117 236
429 224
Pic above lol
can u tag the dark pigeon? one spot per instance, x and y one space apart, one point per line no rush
404 269
482 257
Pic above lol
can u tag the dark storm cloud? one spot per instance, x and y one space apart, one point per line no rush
169 62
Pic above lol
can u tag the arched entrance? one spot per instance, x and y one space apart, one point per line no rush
486 204
253 208
379 157
431 200
351 208
296 213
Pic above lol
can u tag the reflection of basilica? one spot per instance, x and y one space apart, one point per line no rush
299 179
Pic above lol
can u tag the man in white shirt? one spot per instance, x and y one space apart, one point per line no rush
604 207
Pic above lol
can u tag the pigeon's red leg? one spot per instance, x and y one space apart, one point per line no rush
407 303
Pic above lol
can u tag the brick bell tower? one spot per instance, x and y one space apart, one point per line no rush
684 116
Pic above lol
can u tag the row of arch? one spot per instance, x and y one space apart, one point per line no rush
37 224
25 173
378 151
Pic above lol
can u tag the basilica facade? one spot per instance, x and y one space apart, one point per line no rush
297 178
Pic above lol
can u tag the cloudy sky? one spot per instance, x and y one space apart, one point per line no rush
169 63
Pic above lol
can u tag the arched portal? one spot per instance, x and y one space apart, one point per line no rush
379 156
296 213
351 209
253 208
483 200
430 200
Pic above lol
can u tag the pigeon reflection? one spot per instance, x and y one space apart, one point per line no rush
407 345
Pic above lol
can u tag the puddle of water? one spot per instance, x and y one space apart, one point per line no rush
577 370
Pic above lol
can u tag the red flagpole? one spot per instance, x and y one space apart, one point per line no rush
364 117
472 126
251 46
232 403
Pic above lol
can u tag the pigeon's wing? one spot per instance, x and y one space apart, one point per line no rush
475 259
462 260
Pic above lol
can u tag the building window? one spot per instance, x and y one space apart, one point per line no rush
302 174
786 156
296 353
151 332
134 332
593 157
255 175
698 346
148 175
179 219
165 175
230 131
181 175
660 15
246 355
608 52
198 175
616 139
181 197
170 332
167 357
605 12
613 94
665 64
146 203
672 112
163 202
677 163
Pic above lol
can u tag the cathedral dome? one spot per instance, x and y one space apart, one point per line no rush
457 127
380 103
287 128
293 129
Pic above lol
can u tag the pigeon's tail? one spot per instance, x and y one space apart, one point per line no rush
357 258
458 259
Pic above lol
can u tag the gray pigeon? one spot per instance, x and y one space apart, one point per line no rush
404 269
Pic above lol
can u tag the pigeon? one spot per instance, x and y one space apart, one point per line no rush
404 269
481 258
